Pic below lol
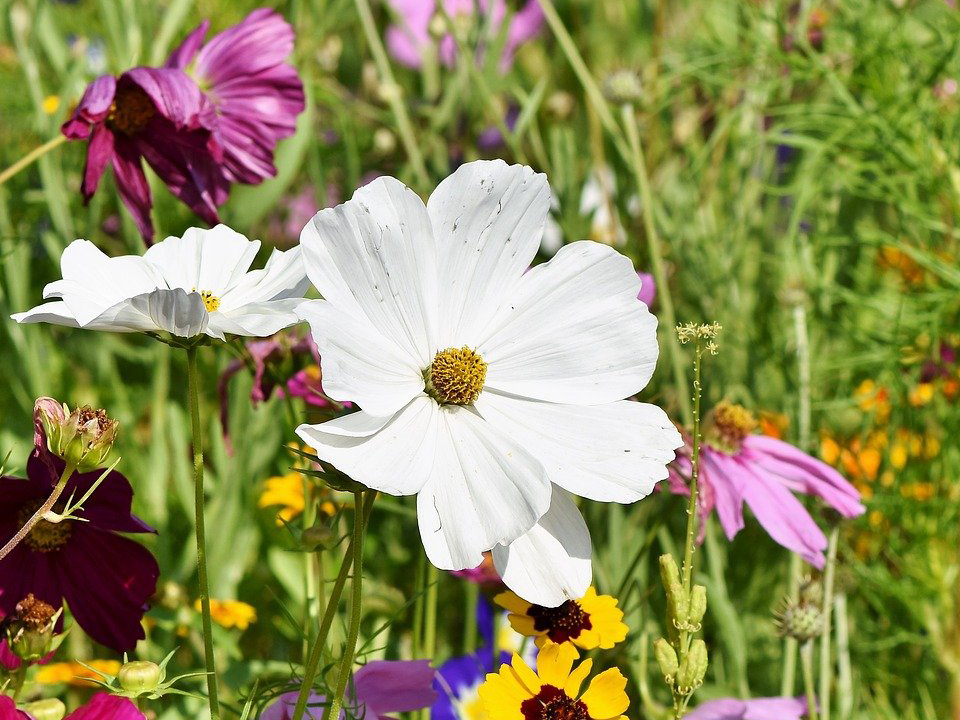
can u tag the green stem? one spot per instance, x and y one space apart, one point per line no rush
31 157
333 602
40 512
392 92
639 167
806 665
826 672
193 391
691 538
353 632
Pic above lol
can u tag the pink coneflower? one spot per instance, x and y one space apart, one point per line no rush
256 95
410 36
105 578
378 688
156 114
738 467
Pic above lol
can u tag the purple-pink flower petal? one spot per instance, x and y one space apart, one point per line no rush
103 706
774 708
93 107
385 686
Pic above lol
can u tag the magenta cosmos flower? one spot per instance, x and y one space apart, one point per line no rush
8 710
153 114
105 578
103 706
256 95
738 467
773 708
410 36
379 687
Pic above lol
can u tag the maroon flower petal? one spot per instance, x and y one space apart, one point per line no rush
93 108
26 571
103 706
15 491
132 185
107 581
184 54
99 153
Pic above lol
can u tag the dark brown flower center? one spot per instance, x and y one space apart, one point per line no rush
33 613
560 623
87 413
131 110
551 703
45 535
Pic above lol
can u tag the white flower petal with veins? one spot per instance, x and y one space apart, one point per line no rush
484 388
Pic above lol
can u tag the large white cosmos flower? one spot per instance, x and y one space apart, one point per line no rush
490 391
198 283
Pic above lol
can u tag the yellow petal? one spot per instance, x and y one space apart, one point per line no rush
512 602
525 676
605 698
606 620
554 663
502 696
523 625
579 674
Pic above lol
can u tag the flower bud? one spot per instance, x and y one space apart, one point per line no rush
623 86
316 536
694 666
802 621
698 604
30 629
49 709
140 676
677 601
83 438
666 659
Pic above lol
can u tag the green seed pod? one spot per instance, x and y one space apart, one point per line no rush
666 659
316 536
49 709
694 666
83 438
698 604
140 676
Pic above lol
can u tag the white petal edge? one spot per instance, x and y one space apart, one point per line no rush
391 454
551 563
487 220
204 260
484 490
615 452
360 365
282 277
256 319
574 331
375 256
175 311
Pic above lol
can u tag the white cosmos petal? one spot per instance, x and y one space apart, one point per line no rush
282 277
612 453
550 563
392 454
374 256
176 311
574 331
256 319
55 313
204 260
487 220
359 365
484 490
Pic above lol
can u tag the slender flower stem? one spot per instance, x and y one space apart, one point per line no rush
667 313
691 538
313 662
193 391
826 671
392 92
353 632
806 665
31 157
41 511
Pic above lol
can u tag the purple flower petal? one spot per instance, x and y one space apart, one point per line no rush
8 710
132 185
384 686
26 571
93 108
175 95
103 706
648 289
282 708
775 708
107 580
407 38
185 52
727 492
99 153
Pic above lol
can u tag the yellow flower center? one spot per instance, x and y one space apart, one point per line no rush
45 535
729 425
210 301
131 111
456 376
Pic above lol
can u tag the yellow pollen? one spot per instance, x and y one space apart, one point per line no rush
210 301
456 376
730 425
131 111
45 535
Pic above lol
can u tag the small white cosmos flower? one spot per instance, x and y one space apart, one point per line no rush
200 283
489 391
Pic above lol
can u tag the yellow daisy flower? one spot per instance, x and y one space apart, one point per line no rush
230 613
593 621
286 491
73 673
553 692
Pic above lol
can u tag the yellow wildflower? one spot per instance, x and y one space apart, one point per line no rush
230 613
73 673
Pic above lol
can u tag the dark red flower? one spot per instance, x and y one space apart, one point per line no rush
156 114
105 578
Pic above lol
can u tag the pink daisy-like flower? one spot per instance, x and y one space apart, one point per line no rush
410 36
8 710
153 114
738 467
255 94
378 688
103 706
